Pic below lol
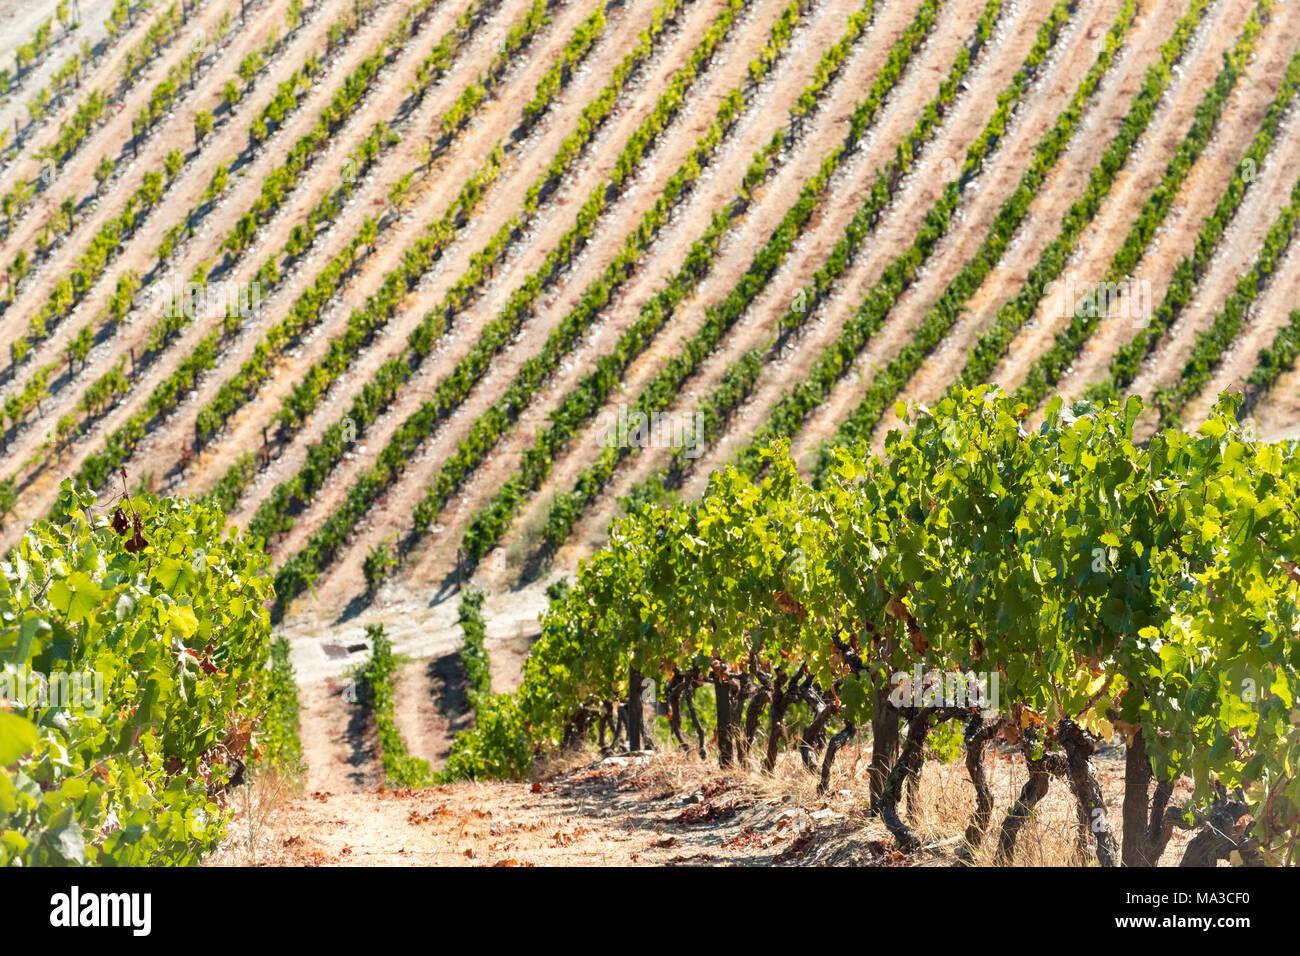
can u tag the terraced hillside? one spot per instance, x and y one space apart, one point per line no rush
394 283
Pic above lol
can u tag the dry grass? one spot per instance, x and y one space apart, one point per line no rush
265 795
665 809
945 801
668 808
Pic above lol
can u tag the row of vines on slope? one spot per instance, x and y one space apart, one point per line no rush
940 316
253 373
297 572
103 393
493 520
277 510
1210 343
69 290
379 676
1067 343
120 443
567 506
1011 317
1189 271
417 259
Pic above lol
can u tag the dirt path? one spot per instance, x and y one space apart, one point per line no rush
664 809
421 625
431 706
338 737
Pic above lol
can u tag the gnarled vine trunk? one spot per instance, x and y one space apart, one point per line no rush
635 710
785 693
727 702
692 682
1041 772
907 766
1149 822
1079 749
673 698
814 735
1217 839
907 771
977 735
838 741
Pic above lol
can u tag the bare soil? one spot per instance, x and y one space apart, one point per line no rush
431 706
661 809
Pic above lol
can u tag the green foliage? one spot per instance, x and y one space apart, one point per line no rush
1100 579
8 498
1277 357
202 124
376 564
497 745
474 655
161 618
379 675
280 722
